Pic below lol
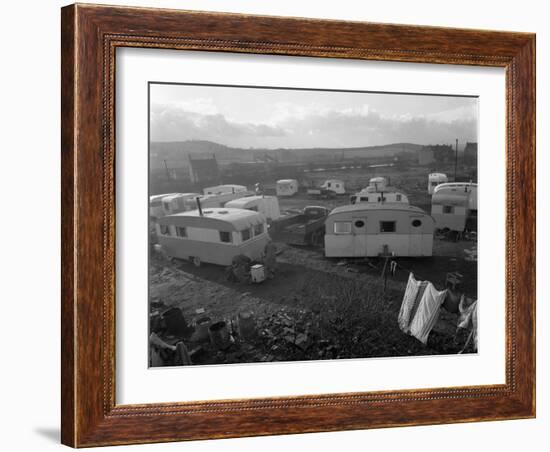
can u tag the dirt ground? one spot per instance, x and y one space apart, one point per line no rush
314 307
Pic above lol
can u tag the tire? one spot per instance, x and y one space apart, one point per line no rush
196 261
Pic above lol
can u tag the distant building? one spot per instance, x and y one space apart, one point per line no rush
443 153
470 153
426 155
204 171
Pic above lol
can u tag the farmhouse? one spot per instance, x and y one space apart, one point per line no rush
425 156
470 153
204 170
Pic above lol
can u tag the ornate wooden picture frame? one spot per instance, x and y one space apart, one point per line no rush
90 37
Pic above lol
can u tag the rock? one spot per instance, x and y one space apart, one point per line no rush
289 339
302 341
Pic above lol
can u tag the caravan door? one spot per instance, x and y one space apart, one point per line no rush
415 235
359 231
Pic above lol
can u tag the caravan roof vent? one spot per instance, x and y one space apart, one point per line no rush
222 212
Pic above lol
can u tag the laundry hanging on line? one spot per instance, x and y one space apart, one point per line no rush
468 319
420 308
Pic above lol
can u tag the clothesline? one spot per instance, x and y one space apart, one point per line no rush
413 272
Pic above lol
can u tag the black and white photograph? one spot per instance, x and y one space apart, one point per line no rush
292 224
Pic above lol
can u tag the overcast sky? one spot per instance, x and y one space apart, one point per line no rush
273 118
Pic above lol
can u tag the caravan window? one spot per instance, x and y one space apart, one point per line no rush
447 209
258 229
245 234
342 227
387 226
164 229
181 231
225 236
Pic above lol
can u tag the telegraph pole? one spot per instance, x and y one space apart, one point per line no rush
456 156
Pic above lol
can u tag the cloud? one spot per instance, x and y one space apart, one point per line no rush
292 125
177 123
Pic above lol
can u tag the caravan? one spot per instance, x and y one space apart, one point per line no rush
223 189
377 184
470 187
268 205
368 230
176 203
213 235
335 185
215 200
451 207
434 179
379 197
287 187
155 205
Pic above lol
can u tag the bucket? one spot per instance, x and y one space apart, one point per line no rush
175 322
247 325
219 335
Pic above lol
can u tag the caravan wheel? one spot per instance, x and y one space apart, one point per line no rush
196 261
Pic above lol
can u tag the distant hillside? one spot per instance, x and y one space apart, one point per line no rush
177 153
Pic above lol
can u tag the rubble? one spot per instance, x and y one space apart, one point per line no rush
314 309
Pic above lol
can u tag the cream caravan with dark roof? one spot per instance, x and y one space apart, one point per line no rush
214 235
368 230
